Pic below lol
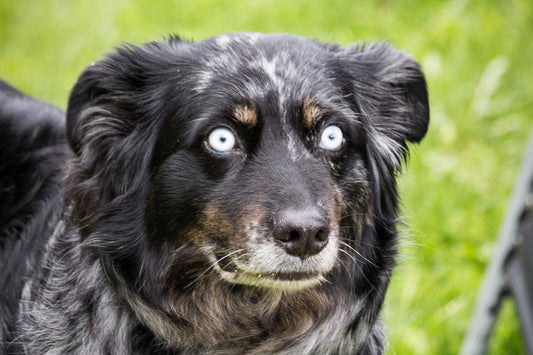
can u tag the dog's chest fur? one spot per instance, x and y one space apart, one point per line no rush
69 307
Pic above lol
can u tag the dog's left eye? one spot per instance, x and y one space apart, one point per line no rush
332 138
221 140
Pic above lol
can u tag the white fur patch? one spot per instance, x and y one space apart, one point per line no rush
295 153
266 259
389 148
204 80
223 40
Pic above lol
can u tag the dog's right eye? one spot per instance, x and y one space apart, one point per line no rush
332 138
221 140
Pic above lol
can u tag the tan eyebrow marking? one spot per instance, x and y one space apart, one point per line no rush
246 114
312 113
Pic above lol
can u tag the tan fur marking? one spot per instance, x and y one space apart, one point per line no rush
246 115
215 220
312 113
252 216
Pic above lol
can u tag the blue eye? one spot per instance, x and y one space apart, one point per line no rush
221 140
332 138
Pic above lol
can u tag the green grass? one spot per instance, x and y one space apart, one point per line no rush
478 58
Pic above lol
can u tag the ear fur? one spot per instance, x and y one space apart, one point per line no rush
108 126
389 88
113 87
103 99
389 92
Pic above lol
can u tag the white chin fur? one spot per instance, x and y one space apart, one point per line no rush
260 280
266 257
263 274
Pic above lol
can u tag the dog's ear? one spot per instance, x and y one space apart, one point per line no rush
111 96
390 89
103 101
389 92
112 120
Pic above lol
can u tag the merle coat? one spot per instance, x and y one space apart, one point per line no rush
122 231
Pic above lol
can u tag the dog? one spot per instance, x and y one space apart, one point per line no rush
229 196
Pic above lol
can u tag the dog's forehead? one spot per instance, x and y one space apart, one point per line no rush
256 64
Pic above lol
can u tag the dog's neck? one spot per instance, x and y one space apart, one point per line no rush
71 307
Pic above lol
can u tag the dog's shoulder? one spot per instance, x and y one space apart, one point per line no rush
33 152
32 146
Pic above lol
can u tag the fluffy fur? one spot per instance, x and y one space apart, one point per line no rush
123 232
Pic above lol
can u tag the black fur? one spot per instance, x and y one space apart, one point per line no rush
140 238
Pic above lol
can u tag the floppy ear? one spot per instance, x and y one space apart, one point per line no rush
102 103
89 99
111 122
112 96
390 90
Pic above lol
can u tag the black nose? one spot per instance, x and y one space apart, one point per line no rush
302 233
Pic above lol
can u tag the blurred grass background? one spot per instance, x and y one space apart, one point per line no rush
478 58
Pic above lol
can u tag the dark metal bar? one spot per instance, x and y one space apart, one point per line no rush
501 276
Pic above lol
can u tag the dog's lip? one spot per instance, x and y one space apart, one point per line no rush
286 276
229 267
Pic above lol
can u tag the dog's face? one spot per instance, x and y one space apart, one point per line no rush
257 159
261 157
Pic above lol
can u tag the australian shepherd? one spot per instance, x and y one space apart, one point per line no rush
231 196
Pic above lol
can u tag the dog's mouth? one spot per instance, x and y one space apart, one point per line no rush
231 272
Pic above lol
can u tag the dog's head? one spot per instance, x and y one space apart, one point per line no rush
256 159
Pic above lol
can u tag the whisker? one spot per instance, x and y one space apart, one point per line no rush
355 251
349 255
358 267
212 267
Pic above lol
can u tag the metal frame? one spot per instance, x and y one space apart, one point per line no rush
510 272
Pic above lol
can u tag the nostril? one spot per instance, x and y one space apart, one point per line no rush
294 236
321 235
